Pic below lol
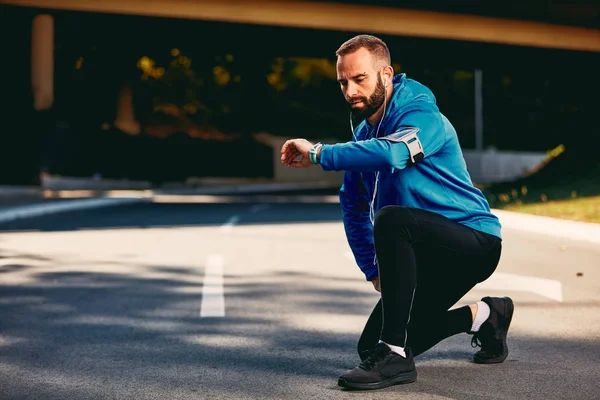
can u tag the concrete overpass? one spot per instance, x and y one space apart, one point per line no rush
349 16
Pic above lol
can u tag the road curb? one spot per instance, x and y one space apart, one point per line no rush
560 228
19 193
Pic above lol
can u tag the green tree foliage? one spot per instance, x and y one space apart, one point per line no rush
287 96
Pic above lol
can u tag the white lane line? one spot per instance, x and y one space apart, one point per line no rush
226 227
213 296
38 210
501 281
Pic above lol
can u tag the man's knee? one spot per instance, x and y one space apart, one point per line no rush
394 219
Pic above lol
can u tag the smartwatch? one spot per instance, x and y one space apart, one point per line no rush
312 153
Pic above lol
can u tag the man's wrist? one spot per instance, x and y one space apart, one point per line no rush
319 154
314 152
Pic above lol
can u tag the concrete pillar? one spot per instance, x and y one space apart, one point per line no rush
42 61
125 119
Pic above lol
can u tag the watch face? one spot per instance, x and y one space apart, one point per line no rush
312 154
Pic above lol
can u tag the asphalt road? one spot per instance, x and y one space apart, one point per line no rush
126 302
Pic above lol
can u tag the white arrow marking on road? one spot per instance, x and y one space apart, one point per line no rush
501 281
213 298
548 288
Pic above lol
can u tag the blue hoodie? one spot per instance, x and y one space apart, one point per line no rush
439 182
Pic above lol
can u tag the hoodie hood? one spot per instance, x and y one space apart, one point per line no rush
407 92
408 95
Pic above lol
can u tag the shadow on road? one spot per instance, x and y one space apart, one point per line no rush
101 335
169 215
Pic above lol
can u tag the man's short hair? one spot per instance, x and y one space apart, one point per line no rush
375 46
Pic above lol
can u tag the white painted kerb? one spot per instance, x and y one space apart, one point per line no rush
567 229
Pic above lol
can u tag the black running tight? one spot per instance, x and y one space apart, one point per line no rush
427 263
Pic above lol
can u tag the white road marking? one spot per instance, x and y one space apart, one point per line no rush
213 296
226 227
501 281
37 210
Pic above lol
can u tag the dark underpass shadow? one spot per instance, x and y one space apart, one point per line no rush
103 335
170 215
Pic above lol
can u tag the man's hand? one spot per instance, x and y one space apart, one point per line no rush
376 284
294 148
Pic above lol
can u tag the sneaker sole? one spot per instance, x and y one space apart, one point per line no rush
509 308
406 377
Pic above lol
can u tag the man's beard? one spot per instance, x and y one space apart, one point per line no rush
372 104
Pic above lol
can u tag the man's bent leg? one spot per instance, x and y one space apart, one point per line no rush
431 319
398 233
451 259
444 277
393 232
390 362
371 332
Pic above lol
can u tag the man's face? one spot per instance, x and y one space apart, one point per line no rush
361 84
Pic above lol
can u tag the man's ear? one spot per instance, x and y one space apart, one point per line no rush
388 75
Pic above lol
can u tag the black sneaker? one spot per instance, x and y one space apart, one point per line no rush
382 368
491 336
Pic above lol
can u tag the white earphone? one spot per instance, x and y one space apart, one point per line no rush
372 205
372 208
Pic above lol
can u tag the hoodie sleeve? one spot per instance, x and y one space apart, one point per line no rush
357 225
385 152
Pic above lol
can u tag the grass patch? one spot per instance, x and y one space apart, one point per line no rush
586 209
564 188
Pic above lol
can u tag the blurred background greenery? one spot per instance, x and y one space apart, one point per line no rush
202 90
